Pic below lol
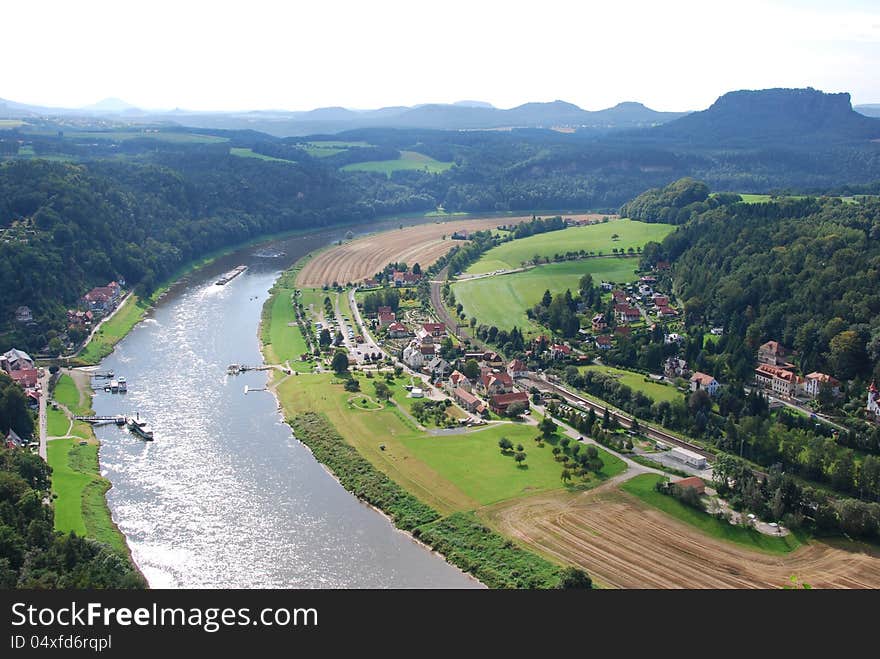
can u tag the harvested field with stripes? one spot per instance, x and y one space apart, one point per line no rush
623 543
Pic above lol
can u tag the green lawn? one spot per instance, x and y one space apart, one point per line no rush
68 395
593 238
502 300
111 332
283 342
57 422
324 149
80 505
475 464
407 160
250 153
642 486
636 381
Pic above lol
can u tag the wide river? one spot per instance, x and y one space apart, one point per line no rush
225 496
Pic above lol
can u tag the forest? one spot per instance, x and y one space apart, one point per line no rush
32 554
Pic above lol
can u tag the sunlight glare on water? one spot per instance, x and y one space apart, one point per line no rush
225 496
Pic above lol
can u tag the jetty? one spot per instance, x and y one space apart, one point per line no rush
232 274
101 420
235 369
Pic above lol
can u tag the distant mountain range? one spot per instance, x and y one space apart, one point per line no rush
462 115
797 117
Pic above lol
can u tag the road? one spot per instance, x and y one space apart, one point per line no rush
44 395
369 346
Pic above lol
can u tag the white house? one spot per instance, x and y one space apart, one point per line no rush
705 382
813 384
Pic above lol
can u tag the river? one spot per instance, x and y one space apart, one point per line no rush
225 496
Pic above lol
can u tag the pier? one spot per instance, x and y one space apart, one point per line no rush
101 420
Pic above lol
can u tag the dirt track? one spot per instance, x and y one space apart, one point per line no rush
623 543
422 244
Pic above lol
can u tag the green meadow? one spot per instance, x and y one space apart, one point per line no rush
636 381
250 153
502 300
594 238
407 160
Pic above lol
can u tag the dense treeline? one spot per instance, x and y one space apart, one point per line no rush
32 555
803 272
14 411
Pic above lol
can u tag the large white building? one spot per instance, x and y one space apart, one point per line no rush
689 458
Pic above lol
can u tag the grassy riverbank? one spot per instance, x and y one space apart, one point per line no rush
461 538
77 485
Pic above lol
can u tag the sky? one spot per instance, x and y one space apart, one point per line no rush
294 55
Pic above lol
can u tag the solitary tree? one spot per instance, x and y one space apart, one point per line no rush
340 362
520 457
505 445
572 577
547 426
383 391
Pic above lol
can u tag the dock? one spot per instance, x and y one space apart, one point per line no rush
101 420
235 369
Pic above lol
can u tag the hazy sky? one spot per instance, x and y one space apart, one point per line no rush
256 54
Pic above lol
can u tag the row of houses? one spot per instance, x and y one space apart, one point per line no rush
19 366
776 373
493 384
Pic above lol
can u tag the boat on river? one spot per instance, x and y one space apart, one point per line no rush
232 274
139 427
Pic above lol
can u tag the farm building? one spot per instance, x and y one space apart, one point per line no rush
692 482
689 458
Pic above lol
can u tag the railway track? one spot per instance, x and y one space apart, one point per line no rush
622 419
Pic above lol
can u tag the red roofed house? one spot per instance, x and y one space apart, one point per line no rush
661 300
490 382
705 382
26 377
405 278
662 265
598 323
691 482
435 329
386 318
618 296
102 298
397 330
626 313
604 342
468 401
517 369
774 354
781 381
459 380
813 384
559 351
666 312
501 402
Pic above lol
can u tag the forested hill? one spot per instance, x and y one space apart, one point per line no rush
804 272
32 555
70 227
